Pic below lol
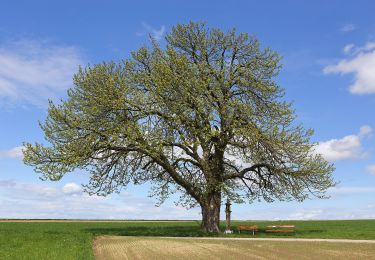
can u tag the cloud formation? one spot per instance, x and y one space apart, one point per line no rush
32 72
71 188
334 191
348 48
331 213
15 153
27 200
303 212
361 63
370 169
348 27
157 34
347 148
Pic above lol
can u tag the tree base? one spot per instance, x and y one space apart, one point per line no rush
211 213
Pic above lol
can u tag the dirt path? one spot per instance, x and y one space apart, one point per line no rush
117 247
357 241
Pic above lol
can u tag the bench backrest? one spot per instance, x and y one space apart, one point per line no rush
282 226
246 227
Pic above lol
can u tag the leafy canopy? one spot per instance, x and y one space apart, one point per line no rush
202 115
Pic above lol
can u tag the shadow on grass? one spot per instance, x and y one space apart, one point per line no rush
191 231
173 231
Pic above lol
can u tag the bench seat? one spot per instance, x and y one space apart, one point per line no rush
281 229
253 228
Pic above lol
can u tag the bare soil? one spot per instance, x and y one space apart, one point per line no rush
117 247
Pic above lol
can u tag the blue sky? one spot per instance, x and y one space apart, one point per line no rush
328 71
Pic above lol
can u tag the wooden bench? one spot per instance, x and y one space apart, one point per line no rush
247 227
281 229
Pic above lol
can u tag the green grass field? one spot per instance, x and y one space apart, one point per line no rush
73 240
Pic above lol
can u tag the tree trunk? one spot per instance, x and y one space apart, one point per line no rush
211 212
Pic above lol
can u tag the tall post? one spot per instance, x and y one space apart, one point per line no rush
227 214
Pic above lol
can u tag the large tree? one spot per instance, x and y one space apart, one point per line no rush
203 117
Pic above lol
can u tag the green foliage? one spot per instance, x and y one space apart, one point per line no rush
203 116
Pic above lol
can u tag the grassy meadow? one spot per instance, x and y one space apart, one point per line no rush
74 240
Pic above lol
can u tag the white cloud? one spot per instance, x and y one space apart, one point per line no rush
31 71
348 27
304 214
349 190
38 191
368 47
71 188
361 212
348 48
157 34
15 152
27 200
348 147
365 130
370 169
361 64
7 183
